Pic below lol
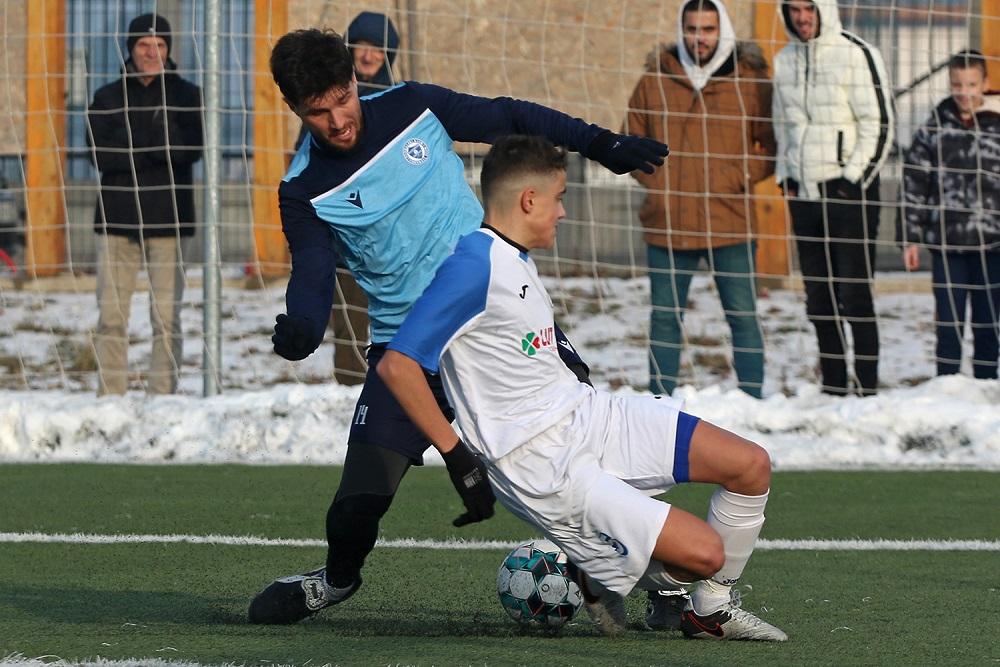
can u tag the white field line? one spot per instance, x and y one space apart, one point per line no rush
483 545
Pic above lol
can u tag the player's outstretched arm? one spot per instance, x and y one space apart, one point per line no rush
624 153
405 379
472 118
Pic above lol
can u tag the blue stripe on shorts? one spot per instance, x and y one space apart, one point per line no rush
682 446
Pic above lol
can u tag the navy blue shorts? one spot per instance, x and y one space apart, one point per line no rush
380 420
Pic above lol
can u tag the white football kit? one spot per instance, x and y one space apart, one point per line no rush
577 463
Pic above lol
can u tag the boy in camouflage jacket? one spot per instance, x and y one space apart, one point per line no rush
951 205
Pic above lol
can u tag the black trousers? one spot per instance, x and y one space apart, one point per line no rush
835 236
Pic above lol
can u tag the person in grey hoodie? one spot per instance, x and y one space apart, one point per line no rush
833 121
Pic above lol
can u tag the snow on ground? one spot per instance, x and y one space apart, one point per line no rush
273 411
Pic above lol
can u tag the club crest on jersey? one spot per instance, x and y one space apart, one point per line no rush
532 342
415 151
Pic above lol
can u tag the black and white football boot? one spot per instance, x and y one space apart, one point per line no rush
664 609
291 599
605 608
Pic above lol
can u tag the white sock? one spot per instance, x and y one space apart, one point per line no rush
738 520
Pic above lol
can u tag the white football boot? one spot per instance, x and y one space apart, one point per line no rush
731 622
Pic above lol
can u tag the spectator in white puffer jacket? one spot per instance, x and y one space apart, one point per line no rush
833 121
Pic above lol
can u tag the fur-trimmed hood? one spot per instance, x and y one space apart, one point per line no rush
748 54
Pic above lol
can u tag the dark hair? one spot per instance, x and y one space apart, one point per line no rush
307 63
699 6
967 59
517 155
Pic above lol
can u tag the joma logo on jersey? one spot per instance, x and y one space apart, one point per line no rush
531 342
415 151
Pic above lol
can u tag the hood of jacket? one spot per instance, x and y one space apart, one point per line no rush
380 31
699 74
829 21
666 58
947 109
991 103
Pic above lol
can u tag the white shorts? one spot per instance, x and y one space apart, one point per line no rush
586 482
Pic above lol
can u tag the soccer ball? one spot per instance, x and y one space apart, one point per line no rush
534 587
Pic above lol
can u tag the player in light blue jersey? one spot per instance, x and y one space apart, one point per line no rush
578 464
378 184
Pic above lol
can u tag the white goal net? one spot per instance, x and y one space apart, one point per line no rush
583 57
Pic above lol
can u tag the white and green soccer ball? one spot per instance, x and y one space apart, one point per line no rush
534 586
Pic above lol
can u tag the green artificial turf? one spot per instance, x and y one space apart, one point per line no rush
438 607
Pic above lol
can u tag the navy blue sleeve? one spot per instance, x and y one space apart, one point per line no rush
314 261
471 118
456 295
569 355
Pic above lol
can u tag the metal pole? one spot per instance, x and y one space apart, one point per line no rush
211 279
411 39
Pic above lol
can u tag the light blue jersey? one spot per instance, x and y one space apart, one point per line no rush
394 206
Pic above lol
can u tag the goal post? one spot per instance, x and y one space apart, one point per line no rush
45 138
270 143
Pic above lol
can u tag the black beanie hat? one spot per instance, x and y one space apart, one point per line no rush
148 25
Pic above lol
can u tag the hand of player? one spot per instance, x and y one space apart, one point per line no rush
293 337
468 474
622 153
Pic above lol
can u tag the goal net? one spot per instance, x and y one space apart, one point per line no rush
582 57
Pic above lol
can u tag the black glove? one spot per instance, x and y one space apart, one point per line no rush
294 338
468 474
622 153
572 358
841 188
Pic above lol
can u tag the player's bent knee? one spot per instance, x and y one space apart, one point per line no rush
711 559
704 563
758 470
690 544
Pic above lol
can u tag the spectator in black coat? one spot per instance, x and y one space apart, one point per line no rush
145 130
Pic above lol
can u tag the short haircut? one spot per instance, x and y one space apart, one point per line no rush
698 6
307 63
516 156
967 59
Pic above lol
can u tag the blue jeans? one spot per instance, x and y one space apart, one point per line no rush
670 273
972 276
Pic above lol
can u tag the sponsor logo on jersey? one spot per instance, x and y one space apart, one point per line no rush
613 543
415 151
355 198
532 342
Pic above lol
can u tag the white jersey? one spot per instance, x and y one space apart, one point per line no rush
485 323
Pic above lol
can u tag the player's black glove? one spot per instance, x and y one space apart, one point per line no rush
622 153
294 338
572 358
468 474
